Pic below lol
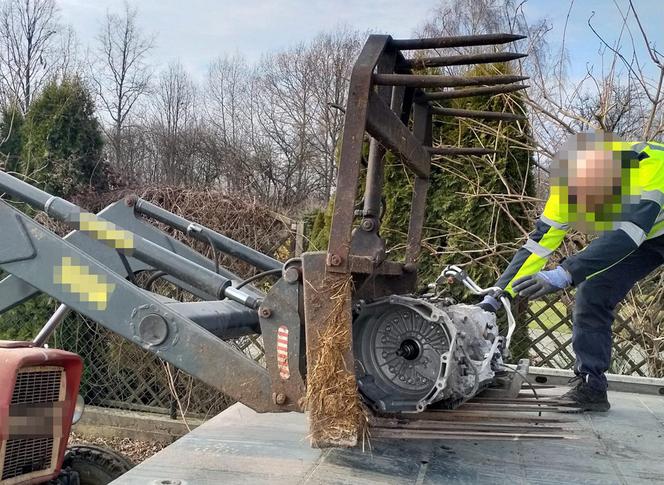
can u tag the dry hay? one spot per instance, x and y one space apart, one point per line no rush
336 417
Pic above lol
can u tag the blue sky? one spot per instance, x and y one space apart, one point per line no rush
196 31
582 45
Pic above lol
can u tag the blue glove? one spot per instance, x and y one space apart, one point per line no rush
490 304
537 285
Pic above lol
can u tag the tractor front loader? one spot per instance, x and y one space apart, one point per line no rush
334 323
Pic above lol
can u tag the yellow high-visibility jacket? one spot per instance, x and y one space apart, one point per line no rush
638 221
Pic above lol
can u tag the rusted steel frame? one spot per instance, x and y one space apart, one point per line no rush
363 264
470 92
374 183
422 132
386 126
351 152
479 417
530 408
477 426
460 435
365 239
461 60
459 151
327 313
455 41
437 81
471 113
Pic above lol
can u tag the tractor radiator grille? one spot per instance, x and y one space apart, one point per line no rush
27 456
23 455
37 385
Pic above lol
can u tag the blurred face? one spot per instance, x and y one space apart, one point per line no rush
587 177
594 177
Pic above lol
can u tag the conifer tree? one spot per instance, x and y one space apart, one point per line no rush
62 140
11 123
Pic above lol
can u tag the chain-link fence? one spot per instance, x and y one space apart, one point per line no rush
120 374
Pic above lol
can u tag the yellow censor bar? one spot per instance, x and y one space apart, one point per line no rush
78 280
106 232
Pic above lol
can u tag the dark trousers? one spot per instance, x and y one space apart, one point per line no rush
596 300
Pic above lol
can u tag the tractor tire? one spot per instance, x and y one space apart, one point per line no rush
95 465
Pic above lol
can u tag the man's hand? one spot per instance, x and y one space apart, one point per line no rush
490 304
545 282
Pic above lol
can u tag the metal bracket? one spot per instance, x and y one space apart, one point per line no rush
17 245
283 340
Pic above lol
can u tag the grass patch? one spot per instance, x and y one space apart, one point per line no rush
548 317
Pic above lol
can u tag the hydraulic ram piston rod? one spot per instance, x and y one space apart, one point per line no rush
125 242
219 241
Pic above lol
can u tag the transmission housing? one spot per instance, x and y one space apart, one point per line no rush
413 352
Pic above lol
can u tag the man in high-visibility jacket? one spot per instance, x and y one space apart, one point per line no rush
599 184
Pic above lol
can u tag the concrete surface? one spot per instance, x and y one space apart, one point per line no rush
623 446
117 423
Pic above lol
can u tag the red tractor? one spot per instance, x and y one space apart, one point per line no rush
38 405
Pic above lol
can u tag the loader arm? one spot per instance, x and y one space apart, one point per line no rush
14 291
71 276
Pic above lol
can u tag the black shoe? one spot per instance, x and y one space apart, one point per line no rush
585 397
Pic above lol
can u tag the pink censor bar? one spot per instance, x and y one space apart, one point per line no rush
282 352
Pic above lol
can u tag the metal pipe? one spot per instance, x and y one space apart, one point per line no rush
243 298
221 242
126 242
471 113
483 58
436 81
459 151
23 191
53 323
470 92
374 182
225 319
456 41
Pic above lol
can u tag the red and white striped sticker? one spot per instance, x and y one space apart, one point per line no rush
282 352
